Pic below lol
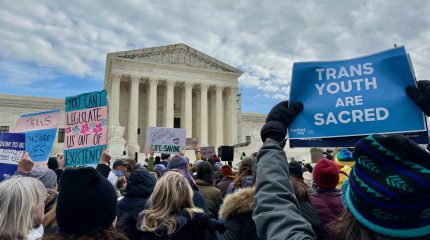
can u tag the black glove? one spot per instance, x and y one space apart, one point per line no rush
278 120
420 95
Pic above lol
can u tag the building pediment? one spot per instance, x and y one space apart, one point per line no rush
177 54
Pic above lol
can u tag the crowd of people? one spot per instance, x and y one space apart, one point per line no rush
378 190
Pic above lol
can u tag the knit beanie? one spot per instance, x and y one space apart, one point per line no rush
226 171
87 202
159 168
47 176
140 184
181 163
344 157
388 190
326 174
295 169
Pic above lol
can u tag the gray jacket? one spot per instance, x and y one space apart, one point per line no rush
277 215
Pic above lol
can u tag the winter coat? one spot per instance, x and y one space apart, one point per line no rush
311 216
224 184
199 201
328 204
237 215
212 195
277 214
247 181
200 227
103 169
139 188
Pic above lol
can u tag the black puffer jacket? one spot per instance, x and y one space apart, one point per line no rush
139 188
200 227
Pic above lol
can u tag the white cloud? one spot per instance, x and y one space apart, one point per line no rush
263 38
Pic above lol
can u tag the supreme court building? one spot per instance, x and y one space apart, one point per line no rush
173 86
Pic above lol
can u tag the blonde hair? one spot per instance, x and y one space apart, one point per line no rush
20 197
172 194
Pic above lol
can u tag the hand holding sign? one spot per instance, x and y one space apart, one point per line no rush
421 95
25 164
278 120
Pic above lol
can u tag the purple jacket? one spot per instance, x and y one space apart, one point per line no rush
328 205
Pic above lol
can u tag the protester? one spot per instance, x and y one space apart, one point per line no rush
160 169
151 161
344 162
139 188
301 191
277 214
119 169
172 213
22 204
326 199
131 163
205 182
49 179
245 175
157 160
217 172
227 179
86 206
387 194
120 186
180 164
165 158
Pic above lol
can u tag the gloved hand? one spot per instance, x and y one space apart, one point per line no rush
278 120
420 95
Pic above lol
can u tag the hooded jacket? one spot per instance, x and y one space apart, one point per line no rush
247 181
199 227
139 188
237 215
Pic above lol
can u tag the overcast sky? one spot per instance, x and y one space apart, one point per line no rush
58 48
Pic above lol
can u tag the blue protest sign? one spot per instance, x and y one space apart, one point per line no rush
12 147
355 97
40 130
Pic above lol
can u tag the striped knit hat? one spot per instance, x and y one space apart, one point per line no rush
388 190
344 157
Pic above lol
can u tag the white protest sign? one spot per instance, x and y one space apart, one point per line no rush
166 140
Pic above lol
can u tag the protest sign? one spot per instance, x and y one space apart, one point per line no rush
40 130
12 146
86 125
355 97
191 144
166 140
207 152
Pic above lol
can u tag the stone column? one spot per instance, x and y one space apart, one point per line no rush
170 96
234 136
114 99
189 109
219 116
227 118
152 109
204 115
133 116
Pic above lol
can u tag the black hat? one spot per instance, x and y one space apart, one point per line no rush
165 156
120 162
87 202
295 169
140 184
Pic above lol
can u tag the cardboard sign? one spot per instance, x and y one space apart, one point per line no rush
355 97
191 144
166 140
207 152
12 146
40 130
86 128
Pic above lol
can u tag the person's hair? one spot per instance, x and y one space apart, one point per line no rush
347 227
299 188
246 168
50 217
205 172
120 182
107 234
172 194
20 197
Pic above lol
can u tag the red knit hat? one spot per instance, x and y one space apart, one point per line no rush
226 171
326 173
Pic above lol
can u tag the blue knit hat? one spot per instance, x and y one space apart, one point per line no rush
388 190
